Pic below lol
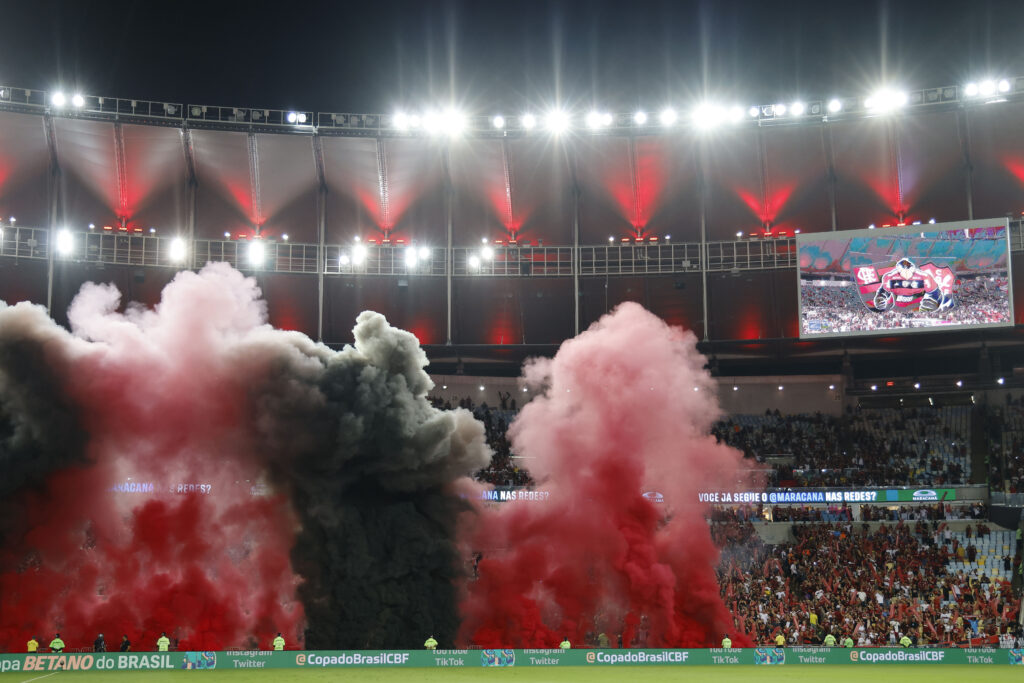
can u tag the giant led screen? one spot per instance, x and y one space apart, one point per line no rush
941 276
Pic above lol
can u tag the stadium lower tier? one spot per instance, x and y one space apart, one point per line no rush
924 581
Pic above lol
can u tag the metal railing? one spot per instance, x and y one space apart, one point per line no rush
634 259
134 249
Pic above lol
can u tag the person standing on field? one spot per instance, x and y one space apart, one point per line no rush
163 643
278 643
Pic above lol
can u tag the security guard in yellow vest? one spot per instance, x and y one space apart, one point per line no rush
780 640
279 643
163 643
431 644
564 645
726 642
57 645
33 644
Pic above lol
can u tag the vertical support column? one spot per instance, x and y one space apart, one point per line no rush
702 195
54 187
830 172
963 126
449 210
321 231
192 193
575 245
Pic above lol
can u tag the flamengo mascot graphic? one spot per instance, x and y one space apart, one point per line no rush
497 658
904 286
199 660
769 655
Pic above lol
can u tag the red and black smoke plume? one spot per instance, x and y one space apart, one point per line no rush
189 469
626 409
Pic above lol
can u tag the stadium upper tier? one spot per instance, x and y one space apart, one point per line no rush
695 224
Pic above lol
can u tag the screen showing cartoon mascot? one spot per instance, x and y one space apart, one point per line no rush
942 276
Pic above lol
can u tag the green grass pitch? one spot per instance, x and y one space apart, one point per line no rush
578 674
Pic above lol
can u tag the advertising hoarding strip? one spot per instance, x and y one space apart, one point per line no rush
292 659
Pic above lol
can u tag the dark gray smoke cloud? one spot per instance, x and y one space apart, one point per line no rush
365 474
372 468
40 427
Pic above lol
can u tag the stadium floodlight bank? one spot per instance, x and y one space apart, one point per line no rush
938 277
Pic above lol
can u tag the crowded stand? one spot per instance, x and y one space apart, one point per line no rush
873 585
867 447
1007 471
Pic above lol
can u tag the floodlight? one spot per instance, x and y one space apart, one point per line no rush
640 118
706 116
400 120
177 251
557 121
797 108
735 114
344 260
986 88
65 242
358 254
483 240
487 253
152 231
917 385
424 253
453 122
831 387
498 122
77 100
779 109
481 387
92 226
474 261
414 121
739 234
302 117
971 89
959 382
593 119
58 99
1003 85
284 237
227 235
886 100
835 105
668 116
611 239
781 387
257 252
606 119
410 257
528 121
1000 381
753 112
292 117
356 238
874 387
431 122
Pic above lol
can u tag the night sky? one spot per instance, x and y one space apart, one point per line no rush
487 56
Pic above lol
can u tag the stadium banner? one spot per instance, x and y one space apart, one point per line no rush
828 496
905 279
335 659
